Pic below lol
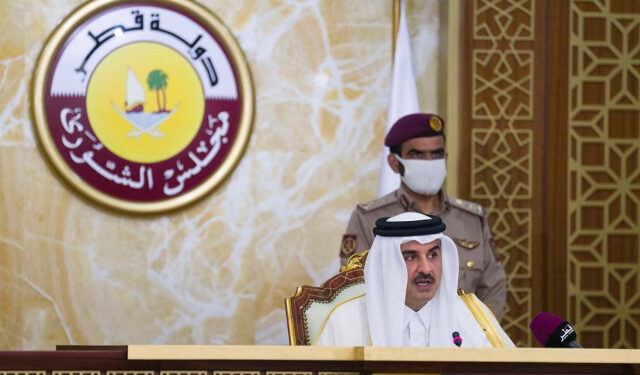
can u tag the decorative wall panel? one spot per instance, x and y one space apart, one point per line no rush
502 142
603 286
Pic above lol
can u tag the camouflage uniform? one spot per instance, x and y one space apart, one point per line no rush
480 270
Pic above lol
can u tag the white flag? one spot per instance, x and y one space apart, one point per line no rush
403 99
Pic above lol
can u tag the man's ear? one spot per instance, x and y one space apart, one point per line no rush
393 162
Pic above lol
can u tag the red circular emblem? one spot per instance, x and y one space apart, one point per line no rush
143 107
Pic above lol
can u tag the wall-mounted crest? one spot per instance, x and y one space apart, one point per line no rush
142 106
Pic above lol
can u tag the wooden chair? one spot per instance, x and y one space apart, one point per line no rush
309 308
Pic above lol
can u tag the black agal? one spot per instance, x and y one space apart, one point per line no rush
387 228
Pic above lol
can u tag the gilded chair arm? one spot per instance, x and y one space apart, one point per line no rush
355 261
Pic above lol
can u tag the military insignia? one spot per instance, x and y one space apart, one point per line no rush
470 207
142 106
348 246
435 124
366 206
467 244
377 203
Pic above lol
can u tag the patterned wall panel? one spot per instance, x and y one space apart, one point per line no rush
603 292
502 109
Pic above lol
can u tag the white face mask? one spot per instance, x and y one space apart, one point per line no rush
423 176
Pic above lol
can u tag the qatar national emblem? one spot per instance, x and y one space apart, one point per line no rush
142 106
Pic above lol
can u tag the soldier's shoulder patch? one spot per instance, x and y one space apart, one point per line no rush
467 206
377 203
349 245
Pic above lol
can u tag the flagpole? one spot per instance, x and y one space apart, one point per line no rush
395 13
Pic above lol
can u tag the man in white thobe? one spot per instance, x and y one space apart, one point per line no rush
411 299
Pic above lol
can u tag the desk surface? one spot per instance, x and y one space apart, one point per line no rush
244 352
380 354
305 360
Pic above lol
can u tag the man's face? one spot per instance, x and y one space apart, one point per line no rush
424 268
424 148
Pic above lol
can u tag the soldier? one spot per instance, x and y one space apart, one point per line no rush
417 152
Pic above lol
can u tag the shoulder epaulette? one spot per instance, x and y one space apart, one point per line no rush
379 202
470 207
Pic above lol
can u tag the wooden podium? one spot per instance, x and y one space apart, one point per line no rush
306 360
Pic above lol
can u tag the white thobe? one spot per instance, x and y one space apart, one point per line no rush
347 326
417 325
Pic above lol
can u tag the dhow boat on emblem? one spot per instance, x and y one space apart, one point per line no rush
145 122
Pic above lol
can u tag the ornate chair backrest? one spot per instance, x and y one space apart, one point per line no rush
309 308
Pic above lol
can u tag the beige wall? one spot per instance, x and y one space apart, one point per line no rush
216 272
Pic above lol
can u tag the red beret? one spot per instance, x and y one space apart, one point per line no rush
413 126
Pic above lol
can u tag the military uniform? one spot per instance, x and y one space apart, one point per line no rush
480 270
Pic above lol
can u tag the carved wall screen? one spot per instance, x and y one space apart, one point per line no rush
501 118
550 146
603 296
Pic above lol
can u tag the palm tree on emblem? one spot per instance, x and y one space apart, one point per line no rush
157 80
133 113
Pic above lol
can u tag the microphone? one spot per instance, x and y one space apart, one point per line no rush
553 332
457 339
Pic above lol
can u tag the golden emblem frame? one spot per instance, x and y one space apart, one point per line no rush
51 154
